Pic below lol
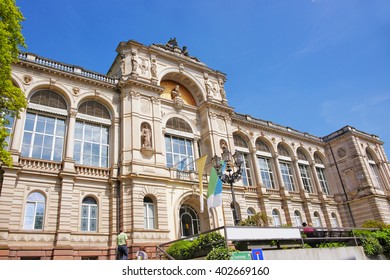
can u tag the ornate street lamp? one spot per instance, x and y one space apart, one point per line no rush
230 175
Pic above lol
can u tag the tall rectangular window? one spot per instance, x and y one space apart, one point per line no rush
179 153
305 176
246 170
322 179
91 144
375 177
9 122
288 178
148 215
43 137
267 177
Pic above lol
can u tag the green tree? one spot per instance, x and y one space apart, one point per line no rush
12 99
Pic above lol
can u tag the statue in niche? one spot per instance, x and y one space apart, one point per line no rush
123 64
223 144
222 89
134 61
153 68
176 97
146 136
176 92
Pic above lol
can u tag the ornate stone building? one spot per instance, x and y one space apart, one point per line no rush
96 152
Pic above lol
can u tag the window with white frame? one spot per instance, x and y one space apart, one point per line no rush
92 133
297 218
35 211
304 170
374 171
305 176
8 124
189 221
320 169
246 174
322 179
286 168
179 146
250 212
267 176
179 152
149 220
43 136
287 176
334 220
264 159
276 218
89 214
317 219
243 149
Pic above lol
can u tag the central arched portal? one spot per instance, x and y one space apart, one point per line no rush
191 220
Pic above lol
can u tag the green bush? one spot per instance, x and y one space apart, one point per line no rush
374 224
331 245
369 242
187 249
219 253
181 250
209 241
374 242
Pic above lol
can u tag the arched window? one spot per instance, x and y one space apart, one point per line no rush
89 214
264 158
43 136
304 170
250 212
189 221
276 218
317 219
149 220
179 145
374 171
261 146
297 218
282 151
91 139
286 168
178 124
35 211
334 220
320 169
242 147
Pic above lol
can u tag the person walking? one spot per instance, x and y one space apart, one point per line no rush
121 241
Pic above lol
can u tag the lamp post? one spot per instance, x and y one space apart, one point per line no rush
230 175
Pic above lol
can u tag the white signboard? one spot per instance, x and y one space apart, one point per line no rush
256 233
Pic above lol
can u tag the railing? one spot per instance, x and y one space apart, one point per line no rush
273 191
40 164
270 238
93 171
188 175
66 68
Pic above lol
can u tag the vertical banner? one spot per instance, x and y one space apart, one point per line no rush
200 164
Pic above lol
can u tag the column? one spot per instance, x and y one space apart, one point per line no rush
69 148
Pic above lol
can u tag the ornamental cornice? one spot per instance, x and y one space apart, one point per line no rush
283 131
217 106
110 83
131 81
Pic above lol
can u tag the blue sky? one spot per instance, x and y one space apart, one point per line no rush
313 65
